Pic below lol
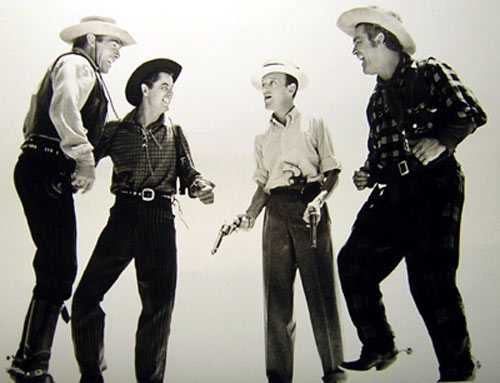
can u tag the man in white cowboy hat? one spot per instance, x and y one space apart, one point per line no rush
149 154
418 113
64 121
296 171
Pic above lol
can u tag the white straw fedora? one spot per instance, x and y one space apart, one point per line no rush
281 66
97 25
375 15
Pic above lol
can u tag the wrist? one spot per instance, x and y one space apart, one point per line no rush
321 197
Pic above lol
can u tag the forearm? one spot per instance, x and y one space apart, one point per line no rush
330 183
451 135
259 200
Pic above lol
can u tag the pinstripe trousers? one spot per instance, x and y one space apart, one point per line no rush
145 232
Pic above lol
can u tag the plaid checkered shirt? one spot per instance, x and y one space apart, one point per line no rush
422 99
146 157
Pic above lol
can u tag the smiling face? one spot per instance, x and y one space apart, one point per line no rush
366 51
158 96
107 52
278 96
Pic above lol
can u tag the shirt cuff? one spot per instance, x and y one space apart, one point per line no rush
260 177
329 163
451 136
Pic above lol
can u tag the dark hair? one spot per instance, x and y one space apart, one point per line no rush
390 41
151 78
82 43
292 80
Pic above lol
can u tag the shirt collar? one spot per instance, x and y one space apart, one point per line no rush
131 119
292 115
405 62
83 53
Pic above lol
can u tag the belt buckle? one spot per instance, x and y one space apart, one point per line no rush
403 168
147 194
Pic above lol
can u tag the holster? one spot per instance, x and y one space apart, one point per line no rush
310 191
58 176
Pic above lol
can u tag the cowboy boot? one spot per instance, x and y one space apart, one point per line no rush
31 362
16 370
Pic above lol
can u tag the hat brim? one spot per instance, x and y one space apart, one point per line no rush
301 77
348 21
71 33
133 91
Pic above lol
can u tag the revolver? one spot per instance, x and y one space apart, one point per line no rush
225 229
313 230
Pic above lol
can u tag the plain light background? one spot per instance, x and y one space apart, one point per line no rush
217 330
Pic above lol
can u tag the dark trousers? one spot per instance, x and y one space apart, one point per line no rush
52 224
286 248
417 218
145 232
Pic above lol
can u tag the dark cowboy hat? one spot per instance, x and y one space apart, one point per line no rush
133 89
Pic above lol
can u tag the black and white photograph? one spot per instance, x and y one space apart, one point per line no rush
280 191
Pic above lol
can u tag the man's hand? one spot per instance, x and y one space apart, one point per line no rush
427 149
246 222
314 207
203 189
83 177
360 179
206 194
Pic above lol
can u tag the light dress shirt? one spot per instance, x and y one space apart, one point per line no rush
302 146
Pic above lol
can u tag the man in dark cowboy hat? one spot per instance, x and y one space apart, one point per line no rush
418 113
149 154
64 121
297 169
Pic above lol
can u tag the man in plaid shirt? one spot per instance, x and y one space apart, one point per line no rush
149 154
418 113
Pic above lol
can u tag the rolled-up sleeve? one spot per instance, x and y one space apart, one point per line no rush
324 144
72 81
261 175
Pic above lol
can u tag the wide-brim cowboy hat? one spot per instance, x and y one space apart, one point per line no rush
133 91
96 25
280 66
389 20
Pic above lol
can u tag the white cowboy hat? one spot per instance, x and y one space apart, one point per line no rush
96 25
281 66
374 15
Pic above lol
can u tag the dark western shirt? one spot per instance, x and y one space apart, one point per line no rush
146 157
422 99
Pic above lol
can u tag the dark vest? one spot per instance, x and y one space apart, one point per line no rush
93 112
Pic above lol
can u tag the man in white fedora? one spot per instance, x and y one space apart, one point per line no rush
418 113
296 171
63 124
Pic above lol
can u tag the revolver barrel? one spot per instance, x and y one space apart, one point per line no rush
313 222
223 231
